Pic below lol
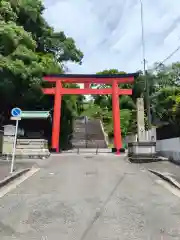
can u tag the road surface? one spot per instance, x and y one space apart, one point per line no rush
84 198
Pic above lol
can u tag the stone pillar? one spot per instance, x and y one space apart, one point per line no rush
140 120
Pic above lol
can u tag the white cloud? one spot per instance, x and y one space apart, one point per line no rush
109 32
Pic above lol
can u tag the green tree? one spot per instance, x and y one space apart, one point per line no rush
29 49
165 104
164 85
176 109
164 91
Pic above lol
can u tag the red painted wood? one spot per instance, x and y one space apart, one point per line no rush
56 117
125 91
90 91
86 91
116 117
87 85
49 91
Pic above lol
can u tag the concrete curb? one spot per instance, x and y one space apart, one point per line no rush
163 158
145 159
176 162
13 177
168 179
23 161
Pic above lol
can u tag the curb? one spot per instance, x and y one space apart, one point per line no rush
168 179
22 161
13 177
25 156
145 159
163 158
176 162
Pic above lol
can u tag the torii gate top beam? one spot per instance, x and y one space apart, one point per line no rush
91 78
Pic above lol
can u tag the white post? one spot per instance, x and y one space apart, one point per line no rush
14 147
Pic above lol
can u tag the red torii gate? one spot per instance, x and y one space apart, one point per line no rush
87 80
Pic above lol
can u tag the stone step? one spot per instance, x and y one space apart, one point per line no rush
88 134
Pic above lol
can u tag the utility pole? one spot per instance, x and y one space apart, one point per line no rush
146 93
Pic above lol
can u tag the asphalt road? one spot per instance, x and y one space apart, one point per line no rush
99 198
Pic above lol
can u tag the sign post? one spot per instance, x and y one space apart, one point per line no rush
16 115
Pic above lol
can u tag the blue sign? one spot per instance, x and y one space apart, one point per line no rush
16 112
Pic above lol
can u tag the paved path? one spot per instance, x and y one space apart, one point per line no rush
91 198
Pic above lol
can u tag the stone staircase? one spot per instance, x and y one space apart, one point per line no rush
88 134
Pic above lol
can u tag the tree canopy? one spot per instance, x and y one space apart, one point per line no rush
29 49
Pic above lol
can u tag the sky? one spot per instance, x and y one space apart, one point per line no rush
108 32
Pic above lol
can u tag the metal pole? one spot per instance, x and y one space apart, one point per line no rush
14 147
146 94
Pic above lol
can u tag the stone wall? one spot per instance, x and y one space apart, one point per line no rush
26 147
169 148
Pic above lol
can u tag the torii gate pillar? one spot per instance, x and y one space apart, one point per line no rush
56 116
116 117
